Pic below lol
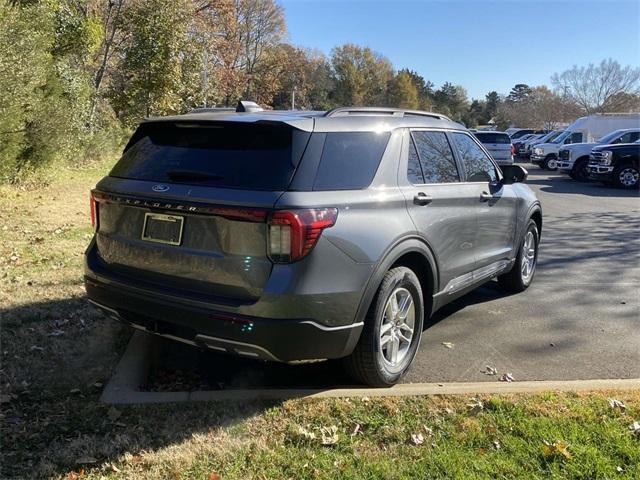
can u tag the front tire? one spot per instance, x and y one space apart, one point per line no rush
626 176
392 331
549 163
521 274
579 171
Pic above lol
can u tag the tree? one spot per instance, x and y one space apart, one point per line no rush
424 88
492 103
361 76
519 93
598 88
149 72
403 92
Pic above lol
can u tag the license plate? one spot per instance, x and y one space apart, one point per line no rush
161 228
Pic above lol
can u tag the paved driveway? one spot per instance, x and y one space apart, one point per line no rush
579 320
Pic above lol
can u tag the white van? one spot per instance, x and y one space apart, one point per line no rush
583 130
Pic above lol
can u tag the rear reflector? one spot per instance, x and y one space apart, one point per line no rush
93 211
294 233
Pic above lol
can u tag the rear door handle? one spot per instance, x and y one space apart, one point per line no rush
485 197
422 198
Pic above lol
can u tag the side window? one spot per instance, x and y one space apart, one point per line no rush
350 160
576 137
414 172
436 158
628 137
478 167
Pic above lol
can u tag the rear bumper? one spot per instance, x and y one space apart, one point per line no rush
253 337
291 321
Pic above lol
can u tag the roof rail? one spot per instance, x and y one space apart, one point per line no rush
396 112
212 109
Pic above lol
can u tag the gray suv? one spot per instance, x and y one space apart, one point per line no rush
302 236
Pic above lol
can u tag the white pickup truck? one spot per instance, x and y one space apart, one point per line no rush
584 129
574 159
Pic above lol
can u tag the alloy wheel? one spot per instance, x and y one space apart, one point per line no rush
397 329
628 177
528 257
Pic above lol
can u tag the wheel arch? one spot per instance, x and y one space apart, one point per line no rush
413 253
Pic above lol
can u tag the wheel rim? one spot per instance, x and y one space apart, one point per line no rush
551 164
628 177
397 329
528 256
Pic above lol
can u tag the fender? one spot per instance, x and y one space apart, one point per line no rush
394 252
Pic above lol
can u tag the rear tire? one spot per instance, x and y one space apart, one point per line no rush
626 176
521 274
388 343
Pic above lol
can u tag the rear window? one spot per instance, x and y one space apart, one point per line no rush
228 155
350 160
493 137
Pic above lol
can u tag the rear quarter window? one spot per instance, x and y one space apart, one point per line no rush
350 160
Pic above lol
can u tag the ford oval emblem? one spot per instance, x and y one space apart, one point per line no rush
160 188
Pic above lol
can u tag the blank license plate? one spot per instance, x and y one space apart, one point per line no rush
161 228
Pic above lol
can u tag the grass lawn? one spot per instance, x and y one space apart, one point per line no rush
57 353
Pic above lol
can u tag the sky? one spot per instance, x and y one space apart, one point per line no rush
482 45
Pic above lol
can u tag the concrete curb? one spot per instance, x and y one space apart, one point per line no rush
132 370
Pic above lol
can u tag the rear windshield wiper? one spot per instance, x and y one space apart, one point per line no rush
192 175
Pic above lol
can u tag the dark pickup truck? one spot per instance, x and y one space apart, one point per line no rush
617 164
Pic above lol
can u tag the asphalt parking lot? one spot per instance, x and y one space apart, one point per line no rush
579 320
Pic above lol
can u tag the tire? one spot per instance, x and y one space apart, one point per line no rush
372 362
579 171
549 163
515 280
626 176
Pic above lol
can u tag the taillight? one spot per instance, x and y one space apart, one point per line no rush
513 150
93 210
293 233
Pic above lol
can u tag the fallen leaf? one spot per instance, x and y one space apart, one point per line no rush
507 377
417 438
73 475
86 460
74 390
329 435
556 449
475 407
113 414
497 445
214 476
36 348
307 434
613 403
356 430
427 430
56 333
114 468
635 428
489 370
619 469
448 344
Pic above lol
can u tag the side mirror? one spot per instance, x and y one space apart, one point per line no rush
513 174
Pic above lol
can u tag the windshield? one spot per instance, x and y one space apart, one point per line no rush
609 137
560 138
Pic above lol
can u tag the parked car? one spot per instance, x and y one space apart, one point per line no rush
617 164
525 150
573 159
301 236
520 141
516 133
499 146
522 144
584 129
